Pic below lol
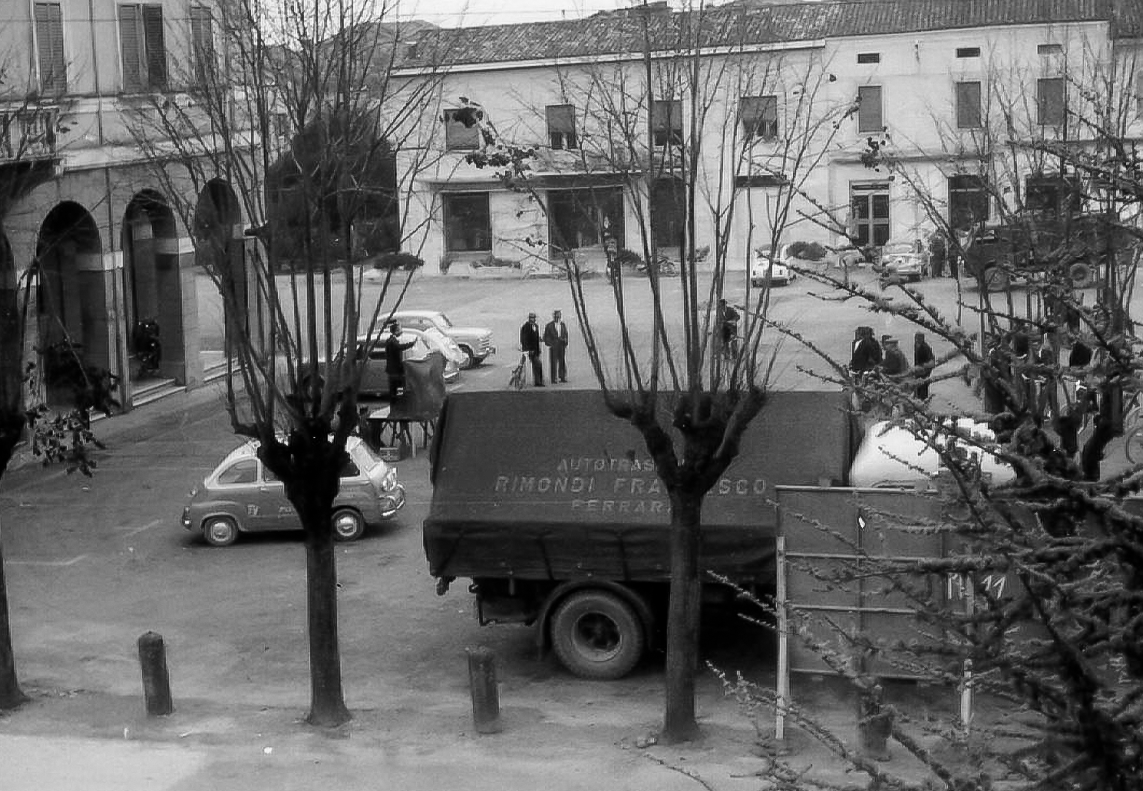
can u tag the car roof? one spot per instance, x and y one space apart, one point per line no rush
418 313
249 449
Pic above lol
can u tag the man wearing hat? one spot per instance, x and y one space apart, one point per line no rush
895 363
530 345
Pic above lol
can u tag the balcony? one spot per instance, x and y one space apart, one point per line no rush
28 133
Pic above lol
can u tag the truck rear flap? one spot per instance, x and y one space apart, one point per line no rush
550 485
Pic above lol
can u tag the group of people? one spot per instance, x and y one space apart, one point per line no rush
886 359
555 337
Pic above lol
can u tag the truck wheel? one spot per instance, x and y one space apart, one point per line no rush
597 635
995 279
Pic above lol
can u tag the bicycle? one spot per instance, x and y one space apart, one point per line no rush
516 380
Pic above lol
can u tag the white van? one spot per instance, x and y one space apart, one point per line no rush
894 455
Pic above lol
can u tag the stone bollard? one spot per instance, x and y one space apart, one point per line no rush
156 681
485 695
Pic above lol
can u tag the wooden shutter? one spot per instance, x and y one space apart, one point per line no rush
131 48
156 51
49 41
202 38
968 105
869 109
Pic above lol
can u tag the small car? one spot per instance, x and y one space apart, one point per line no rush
241 495
765 271
902 261
893 456
375 377
475 342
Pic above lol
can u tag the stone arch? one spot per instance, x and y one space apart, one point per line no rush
220 256
73 295
152 283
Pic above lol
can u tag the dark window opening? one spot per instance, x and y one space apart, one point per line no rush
1050 107
667 122
969 201
759 116
968 105
467 223
457 135
561 126
968 52
868 57
585 217
869 118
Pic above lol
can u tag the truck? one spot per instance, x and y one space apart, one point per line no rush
1073 247
552 507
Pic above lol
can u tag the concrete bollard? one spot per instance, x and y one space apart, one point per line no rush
156 681
485 694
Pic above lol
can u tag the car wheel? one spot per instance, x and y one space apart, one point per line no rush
220 531
597 635
470 359
347 525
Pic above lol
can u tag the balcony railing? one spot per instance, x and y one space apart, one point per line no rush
28 133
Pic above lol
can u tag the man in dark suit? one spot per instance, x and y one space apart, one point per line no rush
556 339
530 345
395 359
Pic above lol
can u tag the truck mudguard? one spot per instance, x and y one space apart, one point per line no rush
551 486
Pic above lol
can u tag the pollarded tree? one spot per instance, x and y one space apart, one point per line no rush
308 84
673 133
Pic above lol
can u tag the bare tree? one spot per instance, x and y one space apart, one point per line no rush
299 99
671 132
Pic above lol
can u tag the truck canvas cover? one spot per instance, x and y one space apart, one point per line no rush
550 485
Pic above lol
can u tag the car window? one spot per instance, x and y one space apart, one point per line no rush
445 319
268 475
241 471
349 468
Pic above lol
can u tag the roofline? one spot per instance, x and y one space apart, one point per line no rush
614 57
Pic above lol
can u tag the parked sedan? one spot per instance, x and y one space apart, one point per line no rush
765 271
241 495
476 342
901 261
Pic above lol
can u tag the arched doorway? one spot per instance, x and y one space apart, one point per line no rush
72 300
152 287
220 265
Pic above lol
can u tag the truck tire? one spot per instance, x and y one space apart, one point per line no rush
597 635
996 279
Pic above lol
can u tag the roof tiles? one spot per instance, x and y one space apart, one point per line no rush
749 22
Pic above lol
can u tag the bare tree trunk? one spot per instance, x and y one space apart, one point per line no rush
10 694
679 723
327 700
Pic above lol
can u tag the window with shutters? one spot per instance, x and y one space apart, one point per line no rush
1050 101
869 118
142 47
202 40
50 46
467 222
561 126
759 116
667 122
968 105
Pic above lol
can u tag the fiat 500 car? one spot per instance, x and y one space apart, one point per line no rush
765 271
241 495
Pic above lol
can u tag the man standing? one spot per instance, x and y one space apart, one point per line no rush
556 339
395 359
923 359
530 345
894 365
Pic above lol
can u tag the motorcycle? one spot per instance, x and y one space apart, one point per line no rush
148 349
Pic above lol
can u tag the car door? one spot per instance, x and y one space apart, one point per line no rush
278 512
239 483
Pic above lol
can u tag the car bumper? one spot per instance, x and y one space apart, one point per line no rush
392 501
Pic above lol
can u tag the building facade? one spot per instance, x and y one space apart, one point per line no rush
776 114
90 224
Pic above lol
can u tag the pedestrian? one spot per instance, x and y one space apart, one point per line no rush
994 373
866 352
1047 358
556 339
530 346
895 365
728 327
395 359
923 360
